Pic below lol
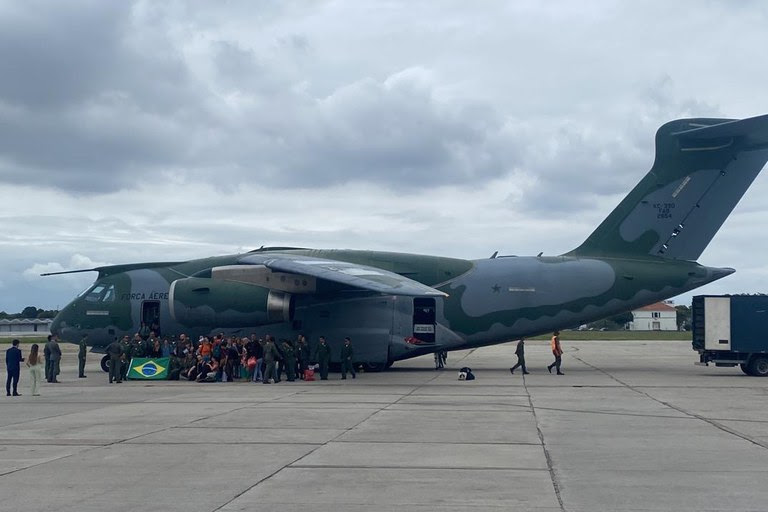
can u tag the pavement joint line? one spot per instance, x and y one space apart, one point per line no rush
42 418
550 464
709 421
47 461
612 413
422 468
216 443
219 427
57 442
442 443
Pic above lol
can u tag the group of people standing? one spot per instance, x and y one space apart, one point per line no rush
49 364
557 351
217 359
231 358
262 360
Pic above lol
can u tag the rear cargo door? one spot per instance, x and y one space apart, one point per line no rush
717 326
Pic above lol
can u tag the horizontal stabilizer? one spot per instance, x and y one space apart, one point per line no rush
350 274
752 131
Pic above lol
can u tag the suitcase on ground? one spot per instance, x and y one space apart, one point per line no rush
309 374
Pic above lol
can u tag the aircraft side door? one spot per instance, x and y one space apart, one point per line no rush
150 313
424 318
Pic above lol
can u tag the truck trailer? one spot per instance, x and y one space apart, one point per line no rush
730 330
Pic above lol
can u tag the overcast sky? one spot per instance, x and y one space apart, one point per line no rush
140 131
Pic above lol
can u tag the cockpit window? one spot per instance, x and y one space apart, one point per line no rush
109 294
101 293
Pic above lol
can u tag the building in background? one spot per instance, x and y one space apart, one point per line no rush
661 316
25 326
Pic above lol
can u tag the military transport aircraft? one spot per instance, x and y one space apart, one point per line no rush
396 306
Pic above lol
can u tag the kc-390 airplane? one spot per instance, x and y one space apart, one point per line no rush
396 306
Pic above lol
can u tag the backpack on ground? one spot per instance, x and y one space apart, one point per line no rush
465 373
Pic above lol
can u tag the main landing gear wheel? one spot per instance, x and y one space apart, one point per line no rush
105 364
758 366
375 367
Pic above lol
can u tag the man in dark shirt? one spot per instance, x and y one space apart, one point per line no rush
13 361
54 352
520 353
47 355
115 352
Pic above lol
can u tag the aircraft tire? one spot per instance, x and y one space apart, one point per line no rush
375 367
105 364
758 366
745 368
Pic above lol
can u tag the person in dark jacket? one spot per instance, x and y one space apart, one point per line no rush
125 344
82 350
13 361
323 356
347 364
54 355
47 355
289 354
520 353
302 355
270 356
115 353
280 360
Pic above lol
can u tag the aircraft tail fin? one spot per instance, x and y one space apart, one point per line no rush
702 169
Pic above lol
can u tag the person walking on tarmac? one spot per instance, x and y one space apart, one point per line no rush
289 356
270 356
520 353
81 351
346 359
115 351
557 351
323 356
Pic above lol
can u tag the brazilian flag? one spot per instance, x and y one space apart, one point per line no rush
143 368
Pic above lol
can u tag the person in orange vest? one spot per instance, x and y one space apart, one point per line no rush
557 351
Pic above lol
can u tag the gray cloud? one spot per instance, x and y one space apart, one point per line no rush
143 130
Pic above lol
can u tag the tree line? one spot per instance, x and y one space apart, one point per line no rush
30 312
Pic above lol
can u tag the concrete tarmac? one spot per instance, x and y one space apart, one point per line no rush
631 426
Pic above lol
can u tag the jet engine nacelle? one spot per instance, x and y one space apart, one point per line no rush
197 302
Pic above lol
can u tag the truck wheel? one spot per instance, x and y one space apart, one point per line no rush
745 368
758 366
105 363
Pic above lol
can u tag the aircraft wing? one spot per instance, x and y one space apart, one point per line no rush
351 274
